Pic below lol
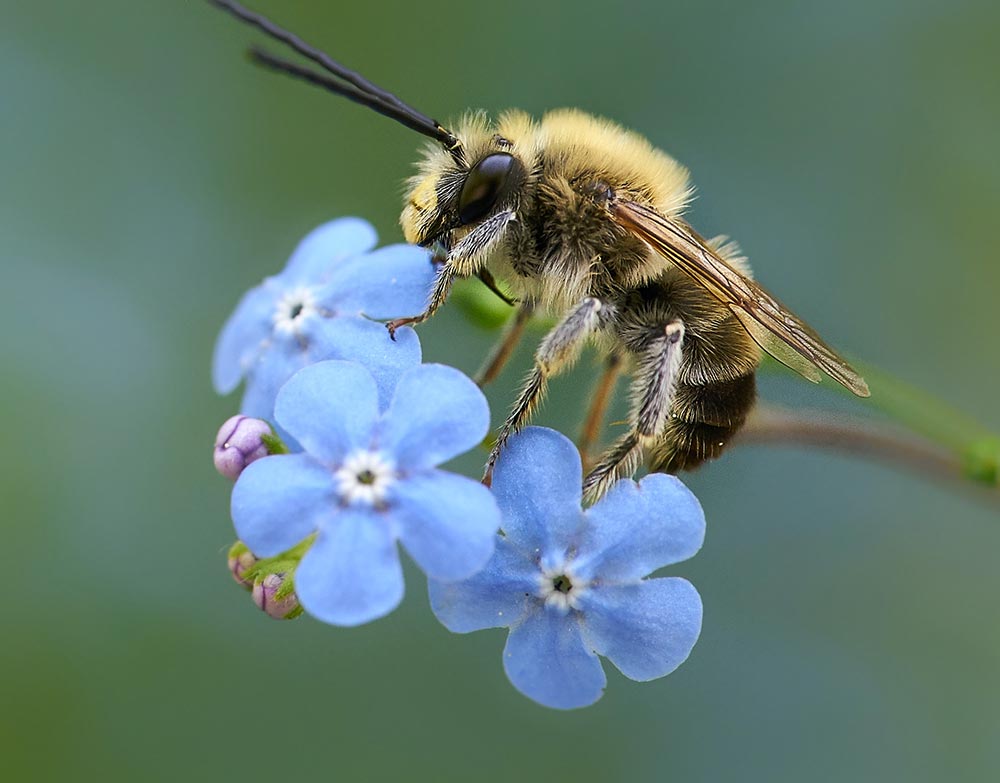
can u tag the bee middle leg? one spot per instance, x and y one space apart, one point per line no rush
652 395
601 397
557 352
504 347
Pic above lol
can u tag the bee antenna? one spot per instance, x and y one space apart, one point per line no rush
351 84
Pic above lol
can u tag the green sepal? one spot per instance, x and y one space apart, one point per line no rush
274 444
285 564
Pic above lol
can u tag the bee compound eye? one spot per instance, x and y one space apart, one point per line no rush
483 186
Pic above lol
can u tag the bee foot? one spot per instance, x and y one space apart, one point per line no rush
396 323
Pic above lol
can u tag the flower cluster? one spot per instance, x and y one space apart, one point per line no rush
322 306
569 583
336 454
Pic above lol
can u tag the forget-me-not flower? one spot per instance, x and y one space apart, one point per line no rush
570 583
367 479
319 307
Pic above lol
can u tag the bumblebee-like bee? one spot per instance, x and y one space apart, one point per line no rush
583 220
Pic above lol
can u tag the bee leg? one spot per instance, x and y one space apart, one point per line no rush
442 287
622 459
557 352
598 407
465 259
504 347
652 394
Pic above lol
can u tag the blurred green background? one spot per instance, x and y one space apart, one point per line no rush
150 176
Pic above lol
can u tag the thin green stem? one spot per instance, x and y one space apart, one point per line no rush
936 434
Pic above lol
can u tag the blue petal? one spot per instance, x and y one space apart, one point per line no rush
647 629
637 528
436 413
391 282
242 337
279 361
537 482
278 501
330 408
324 248
546 659
349 338
496 597
351 575
447 523
359 340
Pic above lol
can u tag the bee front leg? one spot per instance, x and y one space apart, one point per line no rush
465 259
442 287
557 352
652 393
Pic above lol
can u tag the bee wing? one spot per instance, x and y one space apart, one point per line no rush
771 325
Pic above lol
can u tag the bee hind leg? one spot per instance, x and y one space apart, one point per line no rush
653 391
557 352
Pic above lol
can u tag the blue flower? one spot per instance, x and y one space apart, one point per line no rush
367 479
314 310
569 583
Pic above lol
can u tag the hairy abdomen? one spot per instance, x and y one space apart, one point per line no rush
704 417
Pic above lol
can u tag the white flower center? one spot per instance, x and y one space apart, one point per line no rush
560 588
294 308
365 477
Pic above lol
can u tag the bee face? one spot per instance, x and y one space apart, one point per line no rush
449 197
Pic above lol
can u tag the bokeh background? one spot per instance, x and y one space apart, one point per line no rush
148 176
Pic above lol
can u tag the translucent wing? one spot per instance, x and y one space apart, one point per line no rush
773 327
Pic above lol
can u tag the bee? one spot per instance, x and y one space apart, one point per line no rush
583 220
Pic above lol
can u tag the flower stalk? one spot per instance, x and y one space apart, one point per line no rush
924 434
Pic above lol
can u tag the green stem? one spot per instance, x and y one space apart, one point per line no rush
933 426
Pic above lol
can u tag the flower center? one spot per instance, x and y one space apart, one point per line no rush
365 477
293 309
562 583
560 588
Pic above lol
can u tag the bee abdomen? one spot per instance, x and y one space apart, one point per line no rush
703 419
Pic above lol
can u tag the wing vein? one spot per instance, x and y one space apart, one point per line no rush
773 326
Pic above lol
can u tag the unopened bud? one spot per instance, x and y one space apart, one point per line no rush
272 600
241 440
241 560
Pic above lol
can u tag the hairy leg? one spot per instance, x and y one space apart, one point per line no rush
652 395
465 259
557 352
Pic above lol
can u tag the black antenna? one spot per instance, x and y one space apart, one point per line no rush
356 88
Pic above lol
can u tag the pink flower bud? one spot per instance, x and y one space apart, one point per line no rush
265 596
240 442
241 560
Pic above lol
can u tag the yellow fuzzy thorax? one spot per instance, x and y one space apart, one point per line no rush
572 140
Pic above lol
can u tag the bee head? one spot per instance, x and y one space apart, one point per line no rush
450 197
